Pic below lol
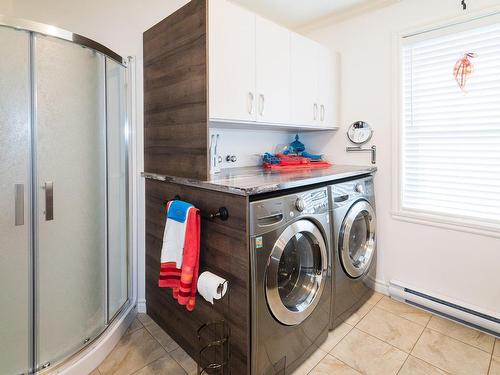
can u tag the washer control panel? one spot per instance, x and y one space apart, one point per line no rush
269 213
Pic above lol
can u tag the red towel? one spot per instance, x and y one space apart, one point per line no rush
183 281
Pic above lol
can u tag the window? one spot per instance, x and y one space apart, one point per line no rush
450 139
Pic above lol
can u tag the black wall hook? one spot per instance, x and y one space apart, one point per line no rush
222 213
464 5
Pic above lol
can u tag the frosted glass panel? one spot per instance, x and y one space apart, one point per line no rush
71 252
117 186
14 169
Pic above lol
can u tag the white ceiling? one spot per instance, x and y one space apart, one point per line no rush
297 13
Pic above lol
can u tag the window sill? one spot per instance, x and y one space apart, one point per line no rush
446 222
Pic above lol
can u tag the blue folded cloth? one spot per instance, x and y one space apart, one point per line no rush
178 210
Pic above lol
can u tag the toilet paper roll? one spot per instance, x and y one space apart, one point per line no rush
211 286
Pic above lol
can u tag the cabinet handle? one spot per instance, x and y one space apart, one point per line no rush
262 103
322 112
49 200
250 103
19 204
315 110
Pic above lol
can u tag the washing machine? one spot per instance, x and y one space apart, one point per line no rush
291 288
354 245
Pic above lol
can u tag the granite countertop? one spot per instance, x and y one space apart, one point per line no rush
256 180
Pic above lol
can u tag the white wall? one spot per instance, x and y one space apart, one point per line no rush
249 145
118 25
451 263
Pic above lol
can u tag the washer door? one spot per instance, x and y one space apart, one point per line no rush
296 272
357 239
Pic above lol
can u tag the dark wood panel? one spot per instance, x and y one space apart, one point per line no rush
175 94
224 251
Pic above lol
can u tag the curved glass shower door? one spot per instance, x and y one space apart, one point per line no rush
71 197
64 270
15 228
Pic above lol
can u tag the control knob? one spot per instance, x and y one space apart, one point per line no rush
359 188
300 204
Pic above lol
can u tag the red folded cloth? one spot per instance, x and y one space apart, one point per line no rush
183 280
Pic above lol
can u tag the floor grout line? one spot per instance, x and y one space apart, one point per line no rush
326 353
463 342
409 320
403 365
348 365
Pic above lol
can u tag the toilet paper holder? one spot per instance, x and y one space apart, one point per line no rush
220 288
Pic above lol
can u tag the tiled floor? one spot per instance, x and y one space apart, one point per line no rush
380 337
146 349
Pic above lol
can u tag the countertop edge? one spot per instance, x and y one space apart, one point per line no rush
268 188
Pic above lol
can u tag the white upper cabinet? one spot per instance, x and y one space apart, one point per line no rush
231 55
273 72
328 87
304 80
260 72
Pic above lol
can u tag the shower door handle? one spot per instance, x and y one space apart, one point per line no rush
19 204
49 200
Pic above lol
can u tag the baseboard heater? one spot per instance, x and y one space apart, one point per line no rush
485 321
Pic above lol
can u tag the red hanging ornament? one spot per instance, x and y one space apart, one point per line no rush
463 69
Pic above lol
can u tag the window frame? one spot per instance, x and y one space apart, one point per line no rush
457 223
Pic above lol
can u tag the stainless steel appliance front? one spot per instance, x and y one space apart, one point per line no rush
291 285
354 245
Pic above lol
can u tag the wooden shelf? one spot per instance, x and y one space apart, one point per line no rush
268 126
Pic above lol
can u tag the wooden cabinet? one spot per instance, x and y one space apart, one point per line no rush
273 72
224 251
313 83
262 72
328 87
231 43
214 62
304 80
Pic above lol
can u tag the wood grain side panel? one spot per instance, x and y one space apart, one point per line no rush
175 94
224 251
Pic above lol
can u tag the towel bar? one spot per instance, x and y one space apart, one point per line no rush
222 213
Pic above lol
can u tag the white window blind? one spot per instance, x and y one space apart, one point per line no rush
450 149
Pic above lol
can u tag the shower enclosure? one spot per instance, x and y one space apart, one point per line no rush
64 271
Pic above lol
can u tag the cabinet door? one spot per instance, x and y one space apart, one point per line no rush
231 62
327 87
273 72
304 80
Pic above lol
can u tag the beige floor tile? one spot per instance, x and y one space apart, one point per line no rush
133 352
368 354
496 351
451 355
374 298
462 333
310 363
335 336
404 310
95 372
158 333
331 365
390 328
356 313
183 359
495 366
163 366
415 366
134 326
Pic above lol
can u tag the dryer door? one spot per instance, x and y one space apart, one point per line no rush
357 239
296 272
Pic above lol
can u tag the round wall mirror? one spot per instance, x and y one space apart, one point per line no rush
359 132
